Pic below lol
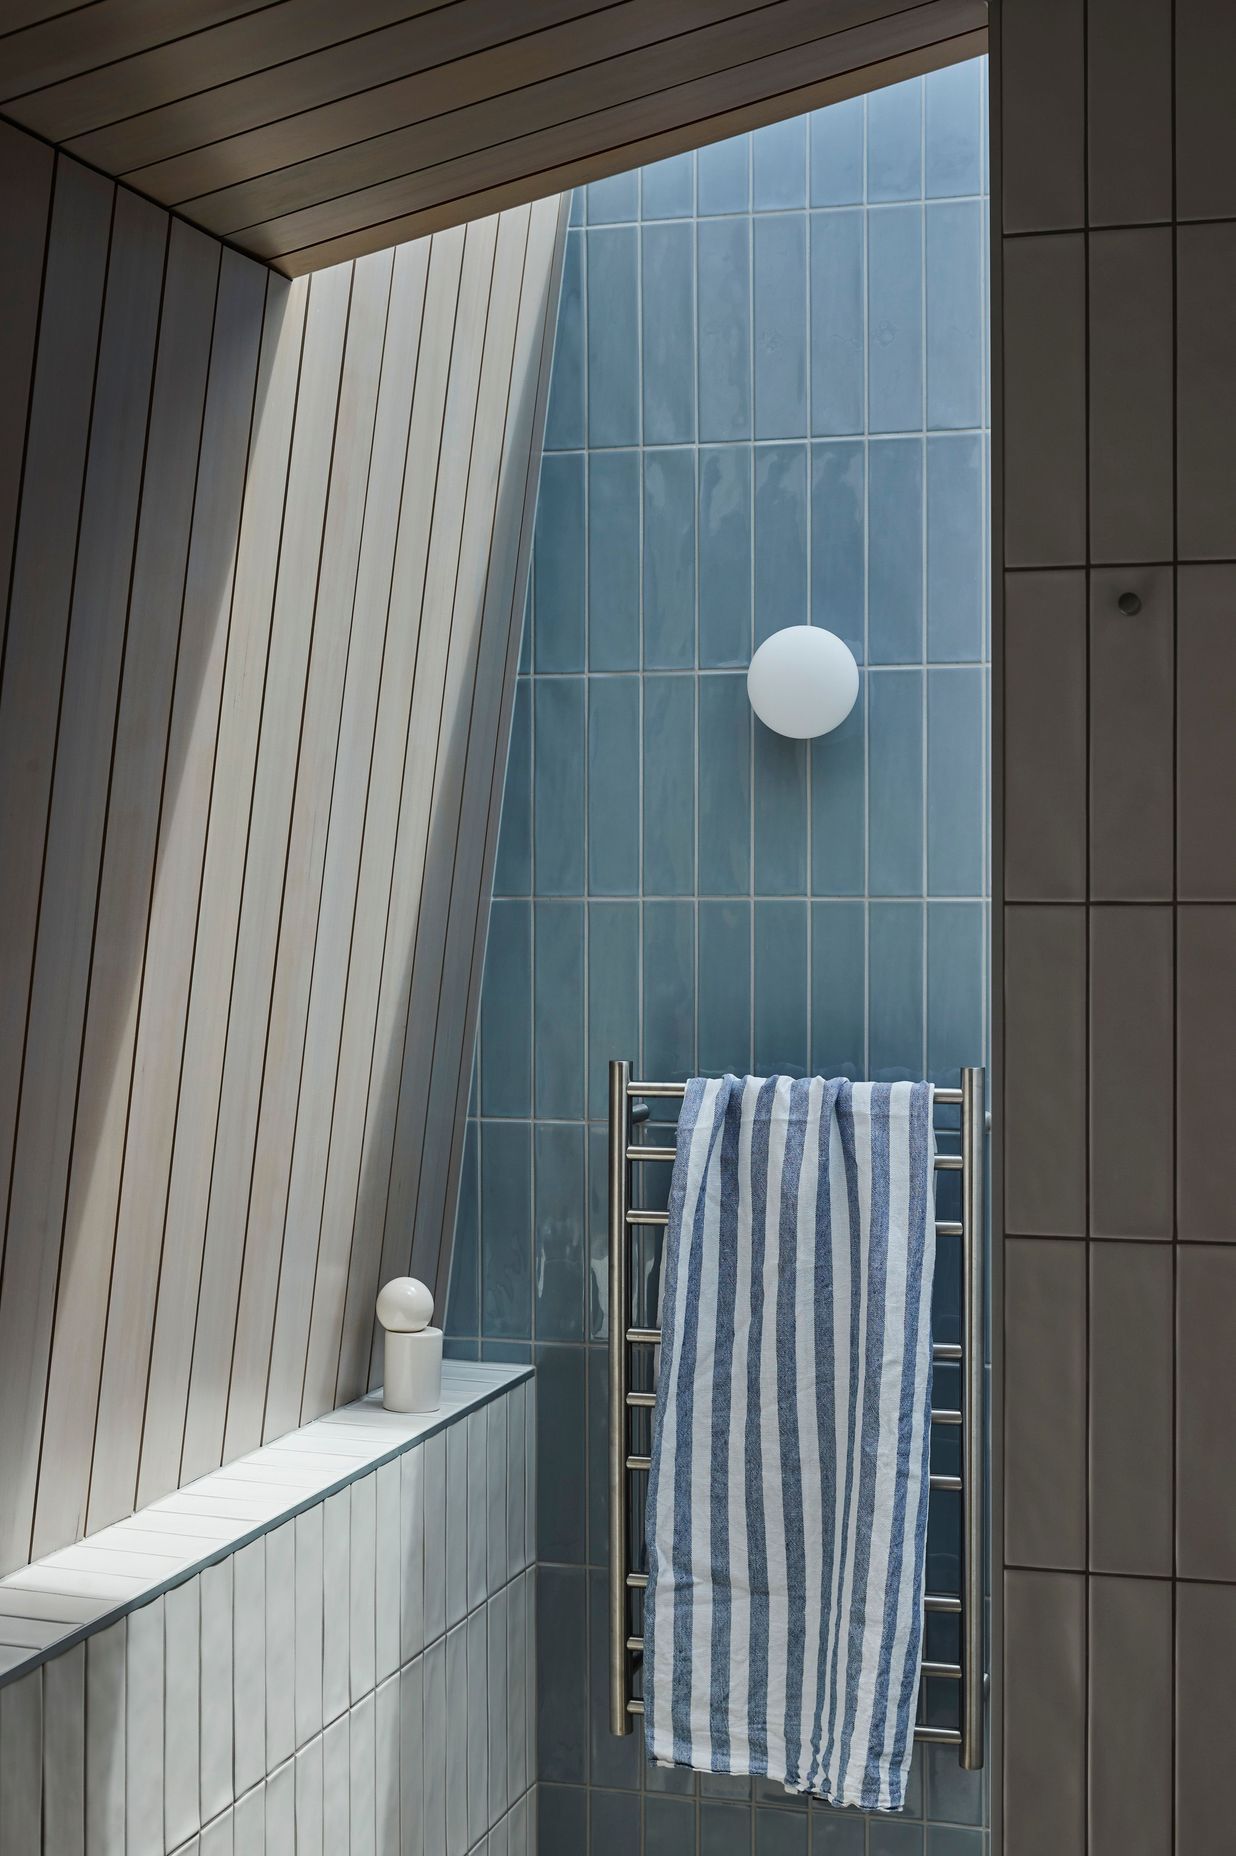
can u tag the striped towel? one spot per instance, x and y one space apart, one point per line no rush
787 1498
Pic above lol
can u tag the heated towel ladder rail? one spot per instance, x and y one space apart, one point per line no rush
633 1335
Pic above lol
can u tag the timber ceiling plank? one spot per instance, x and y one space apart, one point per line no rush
575 95
308 131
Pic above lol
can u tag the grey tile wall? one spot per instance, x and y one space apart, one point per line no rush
769 404
357 1678
1117 929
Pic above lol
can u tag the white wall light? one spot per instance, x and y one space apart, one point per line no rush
803 681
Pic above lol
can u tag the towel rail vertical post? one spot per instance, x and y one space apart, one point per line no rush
619 1314
973 1130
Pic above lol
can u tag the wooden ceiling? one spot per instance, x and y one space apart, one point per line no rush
310 131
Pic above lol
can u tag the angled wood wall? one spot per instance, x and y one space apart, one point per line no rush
264 547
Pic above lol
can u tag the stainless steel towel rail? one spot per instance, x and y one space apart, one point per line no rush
628 1099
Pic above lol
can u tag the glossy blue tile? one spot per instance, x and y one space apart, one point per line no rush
669 989
506 1229
507 1352
724 1004
613 790
782 1024
779 164
948 1840
668 188
579 199
895 625
953 1795
895 320
725 555
669 560
953 129
613 336
562 1820
839 989
560 1212
558 756
559 625
506 1012
724 260
463 1308
528 624
562 1690
561 1413
513 867
780 292
558 1017
723 176
780 814
841 1833
955 531
725 1829
598 1187
614 198
895 991
955 782
669 786
614 1823
839 541
724 787
669 1826
838 337
780 1833
956 983
613 993
669 333
895 776
837 153
895 142
886 1837
954 261
564 420
780 538
613 560
839 807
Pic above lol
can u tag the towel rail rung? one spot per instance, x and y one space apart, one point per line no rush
628 1105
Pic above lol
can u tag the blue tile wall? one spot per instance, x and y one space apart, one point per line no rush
769 404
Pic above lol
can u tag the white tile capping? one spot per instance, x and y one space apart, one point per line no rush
290 1687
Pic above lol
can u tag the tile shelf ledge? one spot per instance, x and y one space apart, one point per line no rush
55 1602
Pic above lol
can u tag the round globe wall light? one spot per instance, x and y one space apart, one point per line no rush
803 681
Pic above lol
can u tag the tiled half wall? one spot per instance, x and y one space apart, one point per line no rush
356 1678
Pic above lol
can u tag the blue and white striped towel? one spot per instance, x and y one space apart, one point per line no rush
787 1499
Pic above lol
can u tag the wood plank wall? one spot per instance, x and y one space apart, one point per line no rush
1115 1545
264 545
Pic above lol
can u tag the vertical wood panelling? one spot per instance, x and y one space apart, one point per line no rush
138 763
85 727
165 1011
269 653
266 568
1144 1000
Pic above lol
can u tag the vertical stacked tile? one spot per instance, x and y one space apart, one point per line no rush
1118 923
769 404
357 1677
